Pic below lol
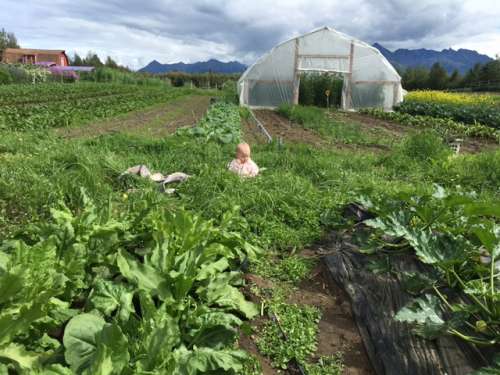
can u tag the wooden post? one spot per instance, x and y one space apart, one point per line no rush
349 85
296 77
394 93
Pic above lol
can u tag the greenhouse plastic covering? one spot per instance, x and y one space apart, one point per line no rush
369 79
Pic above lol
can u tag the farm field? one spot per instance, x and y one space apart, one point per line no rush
450 114
108 275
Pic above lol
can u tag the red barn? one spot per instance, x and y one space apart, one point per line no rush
33 56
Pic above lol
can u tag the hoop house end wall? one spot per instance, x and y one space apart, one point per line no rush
369 79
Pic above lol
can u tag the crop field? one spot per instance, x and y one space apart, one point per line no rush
61 105
451 114
104 273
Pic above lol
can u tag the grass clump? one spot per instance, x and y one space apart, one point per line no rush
291 269
326 365
300 325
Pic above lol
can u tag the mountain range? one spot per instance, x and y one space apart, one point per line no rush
212 65
461 60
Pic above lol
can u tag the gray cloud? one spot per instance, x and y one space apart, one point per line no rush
136 32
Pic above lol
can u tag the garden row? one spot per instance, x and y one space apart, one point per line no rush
468 109
51 92
80 105
221 123
457 237
124 289
446 127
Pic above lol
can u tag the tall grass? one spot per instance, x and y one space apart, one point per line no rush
104 74
289 205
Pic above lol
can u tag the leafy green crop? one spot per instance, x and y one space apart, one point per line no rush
221 123
448 128
459 238
291 269
60 105
468 114
108 291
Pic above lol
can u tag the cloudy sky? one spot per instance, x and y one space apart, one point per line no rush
135 32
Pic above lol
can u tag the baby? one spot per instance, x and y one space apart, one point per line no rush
243 165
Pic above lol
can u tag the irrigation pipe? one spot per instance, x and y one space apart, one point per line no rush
260 126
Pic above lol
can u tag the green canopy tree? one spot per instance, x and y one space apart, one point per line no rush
438 77
92 60
110 63
7 40
455 80
415 78
77 60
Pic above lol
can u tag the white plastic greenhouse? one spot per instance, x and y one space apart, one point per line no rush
369 80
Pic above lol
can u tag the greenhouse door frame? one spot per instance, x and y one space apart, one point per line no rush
346 87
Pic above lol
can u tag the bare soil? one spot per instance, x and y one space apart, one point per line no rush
337 329
281 128
156 121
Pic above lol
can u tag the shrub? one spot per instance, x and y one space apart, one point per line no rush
424 146
305 115
5 77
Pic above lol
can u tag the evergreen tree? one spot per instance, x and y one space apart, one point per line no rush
415 78
472 76
438 77
92 60
7 40
77 60
490 72
455 80
110 63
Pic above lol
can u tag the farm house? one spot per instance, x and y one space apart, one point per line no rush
369 80
34 56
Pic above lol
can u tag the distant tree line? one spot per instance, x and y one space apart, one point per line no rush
92 59
202 80
482 77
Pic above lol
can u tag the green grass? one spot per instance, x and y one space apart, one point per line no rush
288 206
320 121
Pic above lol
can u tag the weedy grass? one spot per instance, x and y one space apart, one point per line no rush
326 365
300 325
319 120
291 269
288 206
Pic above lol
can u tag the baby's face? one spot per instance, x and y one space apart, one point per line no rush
241 156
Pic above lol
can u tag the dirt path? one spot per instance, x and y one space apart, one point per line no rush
156 121
281 128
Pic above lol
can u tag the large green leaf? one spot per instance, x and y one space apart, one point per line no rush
108 296
207 360
424 314
228 296
94 347
144 276
80 340
160 335
209 327
211 269
19 357
111 355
